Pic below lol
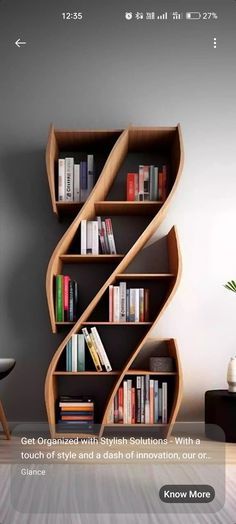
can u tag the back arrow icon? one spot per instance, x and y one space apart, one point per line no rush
19 43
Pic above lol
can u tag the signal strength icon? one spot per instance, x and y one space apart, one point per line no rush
163 16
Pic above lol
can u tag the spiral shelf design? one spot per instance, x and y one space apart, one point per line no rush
114 152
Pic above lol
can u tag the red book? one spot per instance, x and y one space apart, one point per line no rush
120 405
66 280
133 405
132 187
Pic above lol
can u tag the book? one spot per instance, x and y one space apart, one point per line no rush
155 401
101 350
95 245
59 299
147 400
146 304
141 305
110 236
125 402
74 352
120 404
69 175
116 303
89 238
132 187
83 237
83 181
92 349
136 305
141 183
132 297
61 179
164 402
107 248
90 173
111 317
138 399
151 405
122 301
101 235
77 182
80 353
66 281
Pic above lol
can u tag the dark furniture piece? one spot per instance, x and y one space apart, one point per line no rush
220 412
6 366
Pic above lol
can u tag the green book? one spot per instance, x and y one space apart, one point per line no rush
59 299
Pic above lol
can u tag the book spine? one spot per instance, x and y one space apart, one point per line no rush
146 304
76 182
125 402
66 282
71 301
155 183
101 350
128 305
116 409
92 349
89 247
147 399
69 356
164 402
133 405
152 182
61 179
116 304
123 301
111 240
110 417
120 405
90 164
160 186
130 195
142 400
81 353
138 399
141 305
155 401
75 301
69 170
141 183
83 238
74 352
83 180
101 236
136 186
146 183
136 309
95 246
110 303
129 401
160 403
132 305
59 299
104 232
151 414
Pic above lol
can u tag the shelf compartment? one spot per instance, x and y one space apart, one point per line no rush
108 207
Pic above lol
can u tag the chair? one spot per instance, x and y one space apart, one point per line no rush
6 366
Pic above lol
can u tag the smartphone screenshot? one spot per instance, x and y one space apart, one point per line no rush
117 262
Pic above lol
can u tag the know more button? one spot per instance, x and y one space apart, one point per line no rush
187 494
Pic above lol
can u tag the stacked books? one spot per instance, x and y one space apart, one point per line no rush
75 179
66 299
75 351
97 237
150 183
140 401
75 413
128 305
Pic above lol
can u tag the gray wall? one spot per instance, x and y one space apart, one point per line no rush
106 72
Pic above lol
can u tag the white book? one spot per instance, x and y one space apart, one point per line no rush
101 350
136 307
89 246
160 403
125 402
111 318
95 244
90 167
61 179
76 182
129 401
69 170
123 301
83 237
164 402
74 352
116 304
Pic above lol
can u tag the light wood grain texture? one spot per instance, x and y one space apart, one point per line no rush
3 420
131 139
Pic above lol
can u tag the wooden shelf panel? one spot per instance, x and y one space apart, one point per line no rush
122 425
90 259
144 276
106 373
109 207
101 323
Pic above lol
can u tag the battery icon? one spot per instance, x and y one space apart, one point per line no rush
194 15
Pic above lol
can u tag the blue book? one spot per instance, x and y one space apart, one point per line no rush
155 401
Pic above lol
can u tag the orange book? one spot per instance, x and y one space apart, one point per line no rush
77 408
77 417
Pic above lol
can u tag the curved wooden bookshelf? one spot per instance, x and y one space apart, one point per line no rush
107 198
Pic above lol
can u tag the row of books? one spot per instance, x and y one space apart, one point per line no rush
140 401
128 304
75 413
150 183
75 351
75 179
97 237
66 299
